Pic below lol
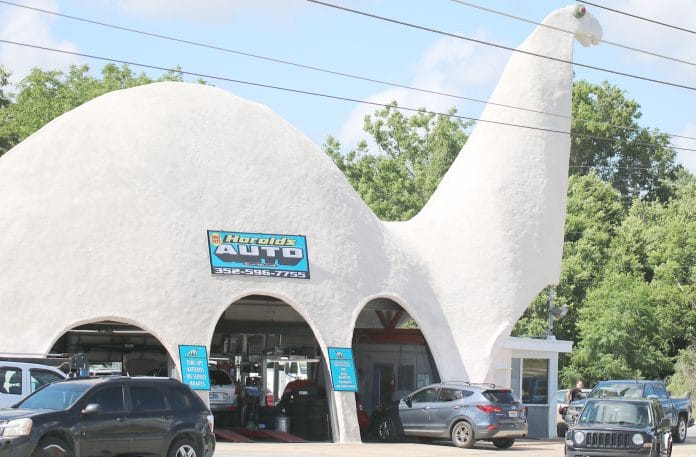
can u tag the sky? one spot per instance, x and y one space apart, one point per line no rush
313 35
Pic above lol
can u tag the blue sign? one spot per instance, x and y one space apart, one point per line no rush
194 367
343 369
258 254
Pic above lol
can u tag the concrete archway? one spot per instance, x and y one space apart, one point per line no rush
392 356
116 346
275 359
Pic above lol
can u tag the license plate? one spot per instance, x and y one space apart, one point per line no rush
512 413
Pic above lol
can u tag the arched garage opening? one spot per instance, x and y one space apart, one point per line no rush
279 376
392 357
113 347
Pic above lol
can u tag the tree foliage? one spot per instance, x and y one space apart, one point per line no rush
44 95
607 138
413 154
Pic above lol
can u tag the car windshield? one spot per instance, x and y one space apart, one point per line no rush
615 412
618 390
55 397
499 396
219 378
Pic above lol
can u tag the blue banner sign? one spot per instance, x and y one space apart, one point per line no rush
194 367
343 369
258 254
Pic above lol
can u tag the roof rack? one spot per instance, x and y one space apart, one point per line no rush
468 383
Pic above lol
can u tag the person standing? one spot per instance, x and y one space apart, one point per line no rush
574 393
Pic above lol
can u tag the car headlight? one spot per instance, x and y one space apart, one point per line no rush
17 427
638 439
578 437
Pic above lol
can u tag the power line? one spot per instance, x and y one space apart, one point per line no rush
328 71
641 18
611 43
496 45
329 96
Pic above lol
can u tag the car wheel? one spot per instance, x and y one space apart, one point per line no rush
503 443
50 447
184 447
385 430
679 433
463 435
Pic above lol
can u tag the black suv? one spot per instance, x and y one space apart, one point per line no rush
620 428
109 416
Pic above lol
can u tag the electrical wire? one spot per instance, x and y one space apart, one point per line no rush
635 16
328 71
496 45
611 43
329 96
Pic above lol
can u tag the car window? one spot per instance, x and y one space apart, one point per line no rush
219 378
11 380
183 399
56 397
613 412
39 378
561 396
109 398
649 390
499 396
147 398
450 395
660 390
425 395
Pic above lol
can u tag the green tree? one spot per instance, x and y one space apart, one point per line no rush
44 95
621 333
684 378
414 153
644 311
635 160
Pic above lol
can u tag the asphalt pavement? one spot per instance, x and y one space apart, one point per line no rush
521 448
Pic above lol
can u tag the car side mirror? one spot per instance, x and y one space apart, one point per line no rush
408 401
665 422
92 409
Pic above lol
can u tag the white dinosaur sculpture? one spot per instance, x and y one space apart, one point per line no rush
104 214
500 210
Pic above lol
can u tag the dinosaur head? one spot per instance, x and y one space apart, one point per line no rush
578 21
586 28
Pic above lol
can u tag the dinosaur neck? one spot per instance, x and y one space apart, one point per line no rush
501 161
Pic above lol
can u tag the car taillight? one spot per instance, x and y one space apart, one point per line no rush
211 422
489 408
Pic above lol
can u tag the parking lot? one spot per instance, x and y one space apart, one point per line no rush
523 448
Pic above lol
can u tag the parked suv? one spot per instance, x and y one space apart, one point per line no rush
19 379
460 411
611 427
108 416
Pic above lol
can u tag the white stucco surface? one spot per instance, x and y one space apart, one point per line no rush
105 209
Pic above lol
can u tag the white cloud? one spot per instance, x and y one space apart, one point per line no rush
687 158
652 37
450 66
210 11
26 26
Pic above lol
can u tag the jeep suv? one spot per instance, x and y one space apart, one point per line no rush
107 416
460 411
611 427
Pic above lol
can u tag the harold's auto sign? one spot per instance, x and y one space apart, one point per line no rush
258 254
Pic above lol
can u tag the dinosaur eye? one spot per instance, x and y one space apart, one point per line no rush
580 11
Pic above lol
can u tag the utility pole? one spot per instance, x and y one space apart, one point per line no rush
549 327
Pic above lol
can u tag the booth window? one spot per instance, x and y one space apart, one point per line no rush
535 381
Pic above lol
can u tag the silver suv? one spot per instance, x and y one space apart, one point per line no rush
460 411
